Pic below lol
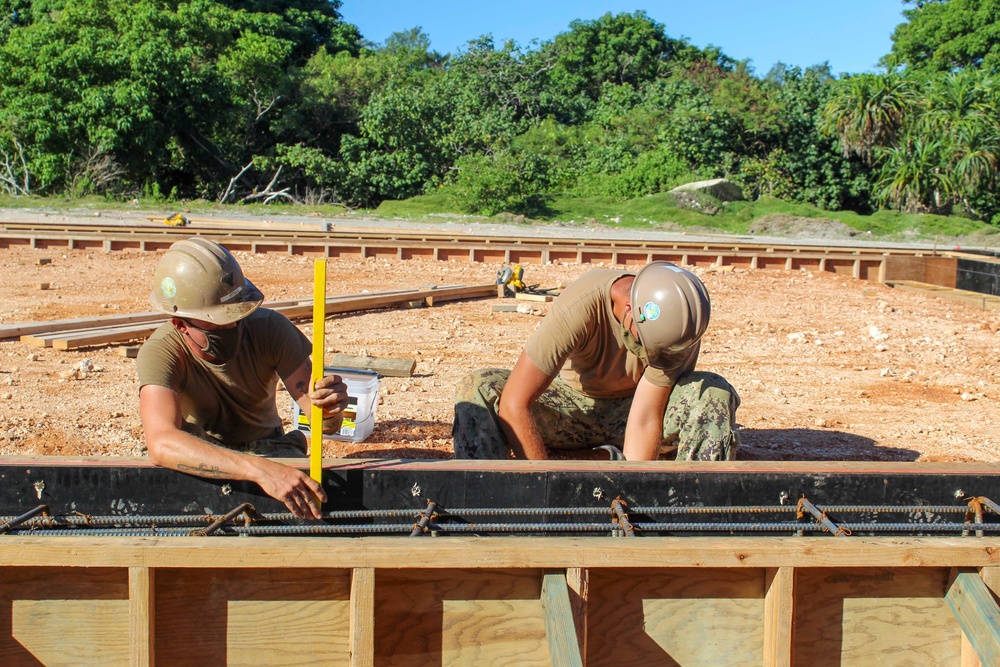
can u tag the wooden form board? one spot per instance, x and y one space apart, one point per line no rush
87 332
495 601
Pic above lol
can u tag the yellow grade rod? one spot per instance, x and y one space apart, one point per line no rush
319 335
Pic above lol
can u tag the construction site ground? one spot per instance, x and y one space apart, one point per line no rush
827 367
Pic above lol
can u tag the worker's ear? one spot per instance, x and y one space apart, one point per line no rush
178 324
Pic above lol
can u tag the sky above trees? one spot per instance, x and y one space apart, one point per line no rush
851 34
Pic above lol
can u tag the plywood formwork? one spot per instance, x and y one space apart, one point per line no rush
483 601
701 600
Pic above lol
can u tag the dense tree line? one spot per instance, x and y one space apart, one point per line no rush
246 100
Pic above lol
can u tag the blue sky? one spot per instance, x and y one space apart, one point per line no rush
851 34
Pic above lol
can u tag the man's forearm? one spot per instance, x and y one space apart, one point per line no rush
522 434
186 453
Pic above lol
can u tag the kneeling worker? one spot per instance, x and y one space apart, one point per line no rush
208 378
613 364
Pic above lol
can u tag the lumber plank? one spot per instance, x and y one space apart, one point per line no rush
141 595
524 296
977 613
384 366
362 631
511 552
102 337
578 580
779 609
560 628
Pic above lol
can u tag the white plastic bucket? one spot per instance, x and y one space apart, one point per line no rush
359 416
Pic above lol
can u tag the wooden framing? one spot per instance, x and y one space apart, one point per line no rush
493 601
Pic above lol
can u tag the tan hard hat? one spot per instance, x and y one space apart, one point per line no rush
200 279
671 309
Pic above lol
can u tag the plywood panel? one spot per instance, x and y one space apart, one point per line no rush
251 617
874 616
671 617
462 617
64 617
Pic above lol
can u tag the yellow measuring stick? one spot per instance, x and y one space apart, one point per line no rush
319 335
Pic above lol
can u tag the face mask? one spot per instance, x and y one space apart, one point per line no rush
633 346
221 344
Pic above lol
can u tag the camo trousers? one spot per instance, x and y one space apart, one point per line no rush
278 445
699 422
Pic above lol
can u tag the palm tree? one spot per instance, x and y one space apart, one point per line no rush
911 178
868 111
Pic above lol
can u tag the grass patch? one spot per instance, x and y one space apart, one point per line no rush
660 211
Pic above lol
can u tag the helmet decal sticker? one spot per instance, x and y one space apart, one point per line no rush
168 287
651 310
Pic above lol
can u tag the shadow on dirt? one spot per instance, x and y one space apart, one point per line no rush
803 444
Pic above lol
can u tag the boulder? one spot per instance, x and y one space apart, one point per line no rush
720 188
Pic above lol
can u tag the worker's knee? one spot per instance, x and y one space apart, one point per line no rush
481 387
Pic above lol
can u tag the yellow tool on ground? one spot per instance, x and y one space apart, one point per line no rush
511 276
177 220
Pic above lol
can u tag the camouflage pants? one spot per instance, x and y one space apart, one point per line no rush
278 445
699 422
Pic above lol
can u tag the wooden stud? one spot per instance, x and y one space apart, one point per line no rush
560 629
977 613
142 622
578 580
779 613
362 633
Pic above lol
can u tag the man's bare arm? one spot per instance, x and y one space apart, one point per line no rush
330 394
526 383
644 430
169 446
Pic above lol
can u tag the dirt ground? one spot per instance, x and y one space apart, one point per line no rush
828 368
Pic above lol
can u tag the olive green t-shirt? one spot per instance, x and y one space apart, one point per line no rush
582 341
234 402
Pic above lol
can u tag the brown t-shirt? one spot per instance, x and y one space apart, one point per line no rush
235 401
582 341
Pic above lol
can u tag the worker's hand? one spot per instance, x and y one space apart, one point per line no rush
330 394
292 487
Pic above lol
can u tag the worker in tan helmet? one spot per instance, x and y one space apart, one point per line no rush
208 378
610 367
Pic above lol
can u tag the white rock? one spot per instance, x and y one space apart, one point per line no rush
796 337
85 365
32 357
874 332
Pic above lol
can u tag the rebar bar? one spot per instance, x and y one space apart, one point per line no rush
18 520
245 508
620 517
788 528
822 518
425 517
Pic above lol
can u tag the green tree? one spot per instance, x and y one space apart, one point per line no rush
944 36
868 110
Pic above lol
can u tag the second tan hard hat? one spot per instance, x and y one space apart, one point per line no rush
200 279
671 309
